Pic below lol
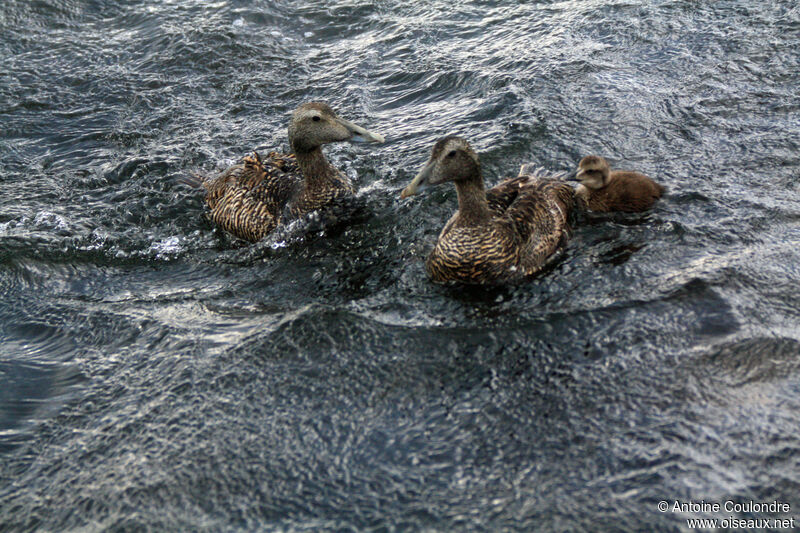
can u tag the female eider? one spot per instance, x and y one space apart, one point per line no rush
502 234
250 199
604 190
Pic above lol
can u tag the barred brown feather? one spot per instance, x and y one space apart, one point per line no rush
505 233
530 223
247 200
250 199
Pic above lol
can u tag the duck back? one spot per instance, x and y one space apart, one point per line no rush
626 191
529 223
248 199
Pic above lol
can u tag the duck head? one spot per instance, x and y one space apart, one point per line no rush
316 123
593 172
452 159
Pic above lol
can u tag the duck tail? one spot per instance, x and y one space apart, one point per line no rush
532 171
529 169
194 180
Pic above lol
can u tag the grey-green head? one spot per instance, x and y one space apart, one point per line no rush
316 123
452 159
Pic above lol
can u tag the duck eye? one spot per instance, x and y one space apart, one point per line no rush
316 118
451 154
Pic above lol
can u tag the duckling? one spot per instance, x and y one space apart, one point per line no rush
604 190
503 234
250 199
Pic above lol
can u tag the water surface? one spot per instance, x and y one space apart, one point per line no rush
157 374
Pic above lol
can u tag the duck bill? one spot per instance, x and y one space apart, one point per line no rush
419 183
573 176
359 134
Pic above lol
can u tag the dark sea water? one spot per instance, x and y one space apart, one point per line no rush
156 374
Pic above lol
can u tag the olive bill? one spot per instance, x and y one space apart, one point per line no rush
573 176
360 134
419 183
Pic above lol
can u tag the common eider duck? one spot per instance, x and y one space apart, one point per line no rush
604 190
250 199
503 234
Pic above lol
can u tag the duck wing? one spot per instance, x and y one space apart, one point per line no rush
247 199
501 196
537 216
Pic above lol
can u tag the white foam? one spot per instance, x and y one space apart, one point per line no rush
47 218
165 247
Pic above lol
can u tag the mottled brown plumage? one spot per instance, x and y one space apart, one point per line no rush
502 234
250 199
604 190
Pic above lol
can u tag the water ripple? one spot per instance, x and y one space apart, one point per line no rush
158 374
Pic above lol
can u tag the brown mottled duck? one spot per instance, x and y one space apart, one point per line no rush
503 234
250 199
604 190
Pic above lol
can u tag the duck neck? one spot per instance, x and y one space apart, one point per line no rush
472 205
317 172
